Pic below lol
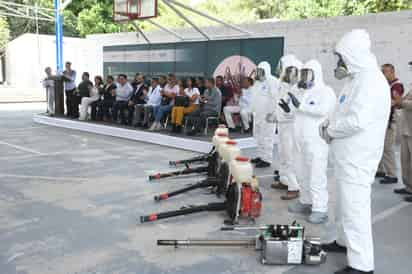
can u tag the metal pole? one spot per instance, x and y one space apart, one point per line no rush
210 17
165 29
59 37
139 30
179 13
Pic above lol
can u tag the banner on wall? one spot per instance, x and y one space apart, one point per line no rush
229 58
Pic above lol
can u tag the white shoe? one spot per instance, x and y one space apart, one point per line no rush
159 126
298 207
153 127
317 217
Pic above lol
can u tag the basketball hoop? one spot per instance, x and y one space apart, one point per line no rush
129 10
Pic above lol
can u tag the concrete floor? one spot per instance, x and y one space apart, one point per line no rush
70 202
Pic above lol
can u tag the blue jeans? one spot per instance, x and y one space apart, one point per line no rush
161 111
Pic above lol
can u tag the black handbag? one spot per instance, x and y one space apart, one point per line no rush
181 101
165 101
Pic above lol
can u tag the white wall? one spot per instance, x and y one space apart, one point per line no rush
25 63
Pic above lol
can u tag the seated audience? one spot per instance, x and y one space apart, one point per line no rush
123 93
94 96
168 93
227 93
200 84
243 108
152 100
138 96
211 103
83 90
104 106
189 103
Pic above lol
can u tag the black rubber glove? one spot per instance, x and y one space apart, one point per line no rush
284 106
295 100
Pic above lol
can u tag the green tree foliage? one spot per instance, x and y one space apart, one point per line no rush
83 17
4 32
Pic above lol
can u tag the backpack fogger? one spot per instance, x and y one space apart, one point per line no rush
202 158
243 198
210 169
220 184
277 244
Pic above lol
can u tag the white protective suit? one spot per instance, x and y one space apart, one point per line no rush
285 126
357 128
316 104
263 106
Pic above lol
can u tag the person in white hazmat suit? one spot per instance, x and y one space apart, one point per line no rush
263 106
356 131
316 103
288 70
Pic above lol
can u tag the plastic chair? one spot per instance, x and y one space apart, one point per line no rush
213 118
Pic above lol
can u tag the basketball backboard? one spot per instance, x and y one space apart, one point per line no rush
128 10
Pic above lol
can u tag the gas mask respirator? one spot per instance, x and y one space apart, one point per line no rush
307 79
341 70
291 75
260 74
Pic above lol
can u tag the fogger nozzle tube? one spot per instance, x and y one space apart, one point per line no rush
199 242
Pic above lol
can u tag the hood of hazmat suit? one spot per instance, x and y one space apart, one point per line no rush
359 122
284 63
357 128
263 106
264 93
316 105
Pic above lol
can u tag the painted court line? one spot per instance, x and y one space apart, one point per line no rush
43 177
388 212
25 149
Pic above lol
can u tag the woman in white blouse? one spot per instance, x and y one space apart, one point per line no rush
94 93
191 92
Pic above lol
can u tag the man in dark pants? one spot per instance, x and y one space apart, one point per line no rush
69 89
137 96
123 93
105 104
211 104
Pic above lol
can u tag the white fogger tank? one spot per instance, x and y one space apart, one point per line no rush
219 138
229 151
242 170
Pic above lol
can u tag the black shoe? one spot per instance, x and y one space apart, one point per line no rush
193 132
178 129
255 160
333 247
408 199
402 191
380 174
389 180
350 270
276 176
262 164
138 125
